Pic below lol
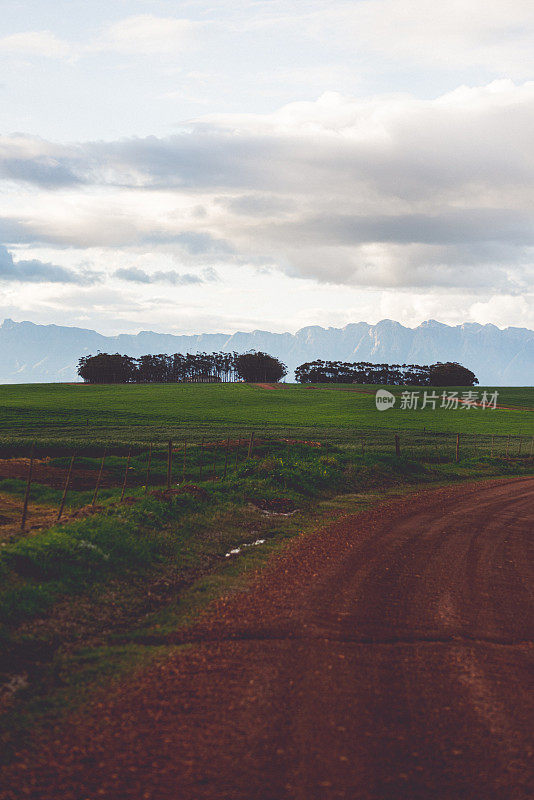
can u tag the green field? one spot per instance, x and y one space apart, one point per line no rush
67 415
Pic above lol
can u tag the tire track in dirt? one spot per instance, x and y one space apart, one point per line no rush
387 656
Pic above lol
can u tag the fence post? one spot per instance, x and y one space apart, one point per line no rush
397 446
475 443
185 456
148 468
213 474
226 457
457 447
250 445
507 445
201 458
65 490
237 451
169 463
27 493
126 474
520 444
99 478
492 443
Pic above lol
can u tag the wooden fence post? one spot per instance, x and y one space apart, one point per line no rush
457 447
201 458
492 443
475 443
169 463
213 475
99 478
226 457
148 468
126 474
397 446
250 445
185 456
507 445
27 493
237 451
65 490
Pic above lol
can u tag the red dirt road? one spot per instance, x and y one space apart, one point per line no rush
387 657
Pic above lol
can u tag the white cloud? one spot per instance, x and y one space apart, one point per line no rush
390 191
141 35
36 43
496 35
147 35
505 310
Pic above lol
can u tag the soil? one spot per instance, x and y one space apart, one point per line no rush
388 656
43 472
38 516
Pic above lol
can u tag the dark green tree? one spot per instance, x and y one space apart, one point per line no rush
107 368
451 374
257 367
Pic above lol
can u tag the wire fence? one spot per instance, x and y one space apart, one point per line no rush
212 457
425 444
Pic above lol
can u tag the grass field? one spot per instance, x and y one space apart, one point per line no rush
78 415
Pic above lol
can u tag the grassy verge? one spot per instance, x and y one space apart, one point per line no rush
66 559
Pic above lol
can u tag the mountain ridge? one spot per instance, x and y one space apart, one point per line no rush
33 353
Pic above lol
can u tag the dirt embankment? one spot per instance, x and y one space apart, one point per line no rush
44 472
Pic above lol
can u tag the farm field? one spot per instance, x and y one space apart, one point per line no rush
78 414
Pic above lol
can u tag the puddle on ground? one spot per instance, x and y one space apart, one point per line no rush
277 513
241 547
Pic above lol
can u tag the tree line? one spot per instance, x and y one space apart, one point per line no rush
252 367
255 367
441 374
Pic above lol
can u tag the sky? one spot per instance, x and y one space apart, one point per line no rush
191 167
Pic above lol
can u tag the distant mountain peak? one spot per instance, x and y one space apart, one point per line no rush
50 353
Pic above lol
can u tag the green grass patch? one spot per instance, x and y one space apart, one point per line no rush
65 415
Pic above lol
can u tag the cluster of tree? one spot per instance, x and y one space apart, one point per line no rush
179 368
448 374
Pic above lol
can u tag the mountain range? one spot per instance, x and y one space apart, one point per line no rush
31 353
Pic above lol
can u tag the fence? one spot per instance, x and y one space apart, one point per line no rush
211 458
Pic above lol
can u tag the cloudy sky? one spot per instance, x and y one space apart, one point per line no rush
191 167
